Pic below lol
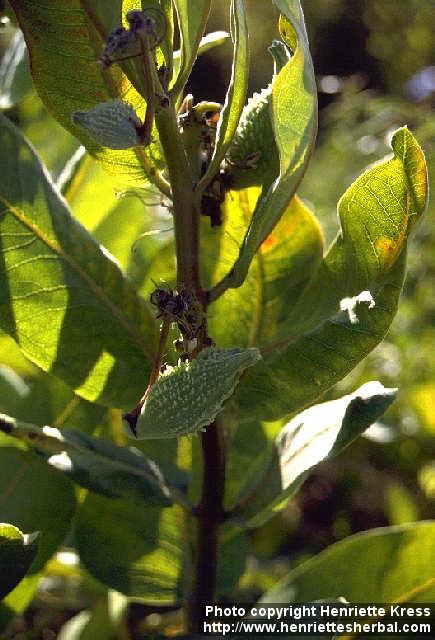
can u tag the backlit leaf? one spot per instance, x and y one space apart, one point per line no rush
294 119
63 300
316 434
65 39
360 274
256 313
391 564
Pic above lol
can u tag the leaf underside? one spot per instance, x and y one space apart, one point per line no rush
316 345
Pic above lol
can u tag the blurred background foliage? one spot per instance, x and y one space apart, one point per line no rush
375 68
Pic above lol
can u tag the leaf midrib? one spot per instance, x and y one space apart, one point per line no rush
93 286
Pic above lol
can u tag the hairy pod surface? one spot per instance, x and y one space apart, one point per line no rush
188 397
113 124
253 158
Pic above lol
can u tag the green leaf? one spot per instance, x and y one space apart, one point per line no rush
187 398
63 300
11 356
316 434
256 312
293 109
34 497
49 401
236 94
15 79
17 552
13 389
192 18
94 463
360 274
118 220
250 449
53 144
377 213
44 399
144 545
88 189
232 554
391 564
64 57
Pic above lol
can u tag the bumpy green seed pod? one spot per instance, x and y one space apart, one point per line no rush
112 124
253 157
188 397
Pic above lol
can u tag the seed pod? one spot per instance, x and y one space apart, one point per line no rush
253 158
112 124
188 397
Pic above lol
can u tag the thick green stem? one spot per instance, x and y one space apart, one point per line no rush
185 202
209 513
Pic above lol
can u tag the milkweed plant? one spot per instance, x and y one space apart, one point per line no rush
186 393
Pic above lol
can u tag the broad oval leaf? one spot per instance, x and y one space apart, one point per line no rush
94 463
64 55
49 401
316 434
362 273
250 448
256 312
144 545
377 213
188 397
294 119
17 552
391 564
116 220
64 301
34 497
13 389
